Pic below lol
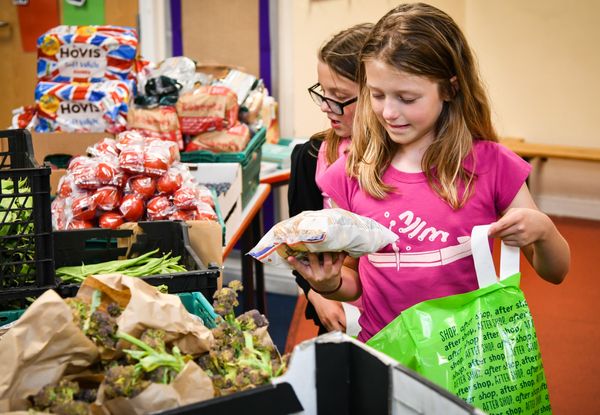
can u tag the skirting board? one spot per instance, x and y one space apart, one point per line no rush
569 207
277 280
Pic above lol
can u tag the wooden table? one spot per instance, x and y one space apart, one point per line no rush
249 233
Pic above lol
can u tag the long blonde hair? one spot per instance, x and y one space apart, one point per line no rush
421 40
341 55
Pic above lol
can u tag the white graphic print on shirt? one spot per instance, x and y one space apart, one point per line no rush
416 227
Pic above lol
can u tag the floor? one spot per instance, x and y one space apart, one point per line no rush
565 319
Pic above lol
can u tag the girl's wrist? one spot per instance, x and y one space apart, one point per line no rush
329 291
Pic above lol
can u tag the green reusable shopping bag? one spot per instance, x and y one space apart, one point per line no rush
479 345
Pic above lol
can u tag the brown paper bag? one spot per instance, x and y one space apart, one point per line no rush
206 238
42 345
145 307
191 385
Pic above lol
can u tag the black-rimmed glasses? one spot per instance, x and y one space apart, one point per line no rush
335 106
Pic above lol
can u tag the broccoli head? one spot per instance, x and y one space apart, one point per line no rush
71 408
61 398
50 395
123 381
225 299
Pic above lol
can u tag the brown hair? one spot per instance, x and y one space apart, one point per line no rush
422 40
341 55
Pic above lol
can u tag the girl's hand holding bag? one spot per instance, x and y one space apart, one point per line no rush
479 345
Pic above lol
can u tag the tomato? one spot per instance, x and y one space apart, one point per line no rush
108 198
182 215
158 208
80 224
83 207
204 212
169 182
129 137
59 219
154 165
105 172
132 207
185 198
131 159
144 186
65 186
77 162
107 146
111 220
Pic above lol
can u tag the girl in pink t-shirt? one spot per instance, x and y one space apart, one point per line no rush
425 162
336 94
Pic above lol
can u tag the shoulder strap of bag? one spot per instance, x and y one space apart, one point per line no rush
482 257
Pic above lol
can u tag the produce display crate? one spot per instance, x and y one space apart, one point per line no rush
250 160
26 261
91 246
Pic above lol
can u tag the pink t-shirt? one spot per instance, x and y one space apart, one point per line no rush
322 165
432 258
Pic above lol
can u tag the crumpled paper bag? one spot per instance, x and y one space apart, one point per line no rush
42 345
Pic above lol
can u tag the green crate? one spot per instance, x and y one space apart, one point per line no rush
9 316
197 304
250 160
194 302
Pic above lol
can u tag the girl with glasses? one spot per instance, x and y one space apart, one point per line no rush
336 94
425 162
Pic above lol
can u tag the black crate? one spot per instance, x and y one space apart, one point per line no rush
26 259
91 246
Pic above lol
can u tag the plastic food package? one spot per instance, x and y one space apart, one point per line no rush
207 108
327 230
86 53
161 122
232 140
96 107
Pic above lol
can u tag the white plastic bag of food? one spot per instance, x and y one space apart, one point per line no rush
327 230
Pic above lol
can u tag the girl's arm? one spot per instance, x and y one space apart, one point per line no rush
325 276
330 312
522 224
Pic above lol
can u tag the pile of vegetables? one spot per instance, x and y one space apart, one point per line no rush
241 357
140 266
16 229
129 179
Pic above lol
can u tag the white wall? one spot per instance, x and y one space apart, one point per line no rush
539 59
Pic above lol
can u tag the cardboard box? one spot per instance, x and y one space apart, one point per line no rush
230 202
72 144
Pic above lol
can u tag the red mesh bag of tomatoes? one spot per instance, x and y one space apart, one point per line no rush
169 182
131 158
145 186
111 220
159 208
80 224
83 171
159 156
105 147
132 207
65 186
83 206
129 137
205 195
186 198
108 198
108 171
60 214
